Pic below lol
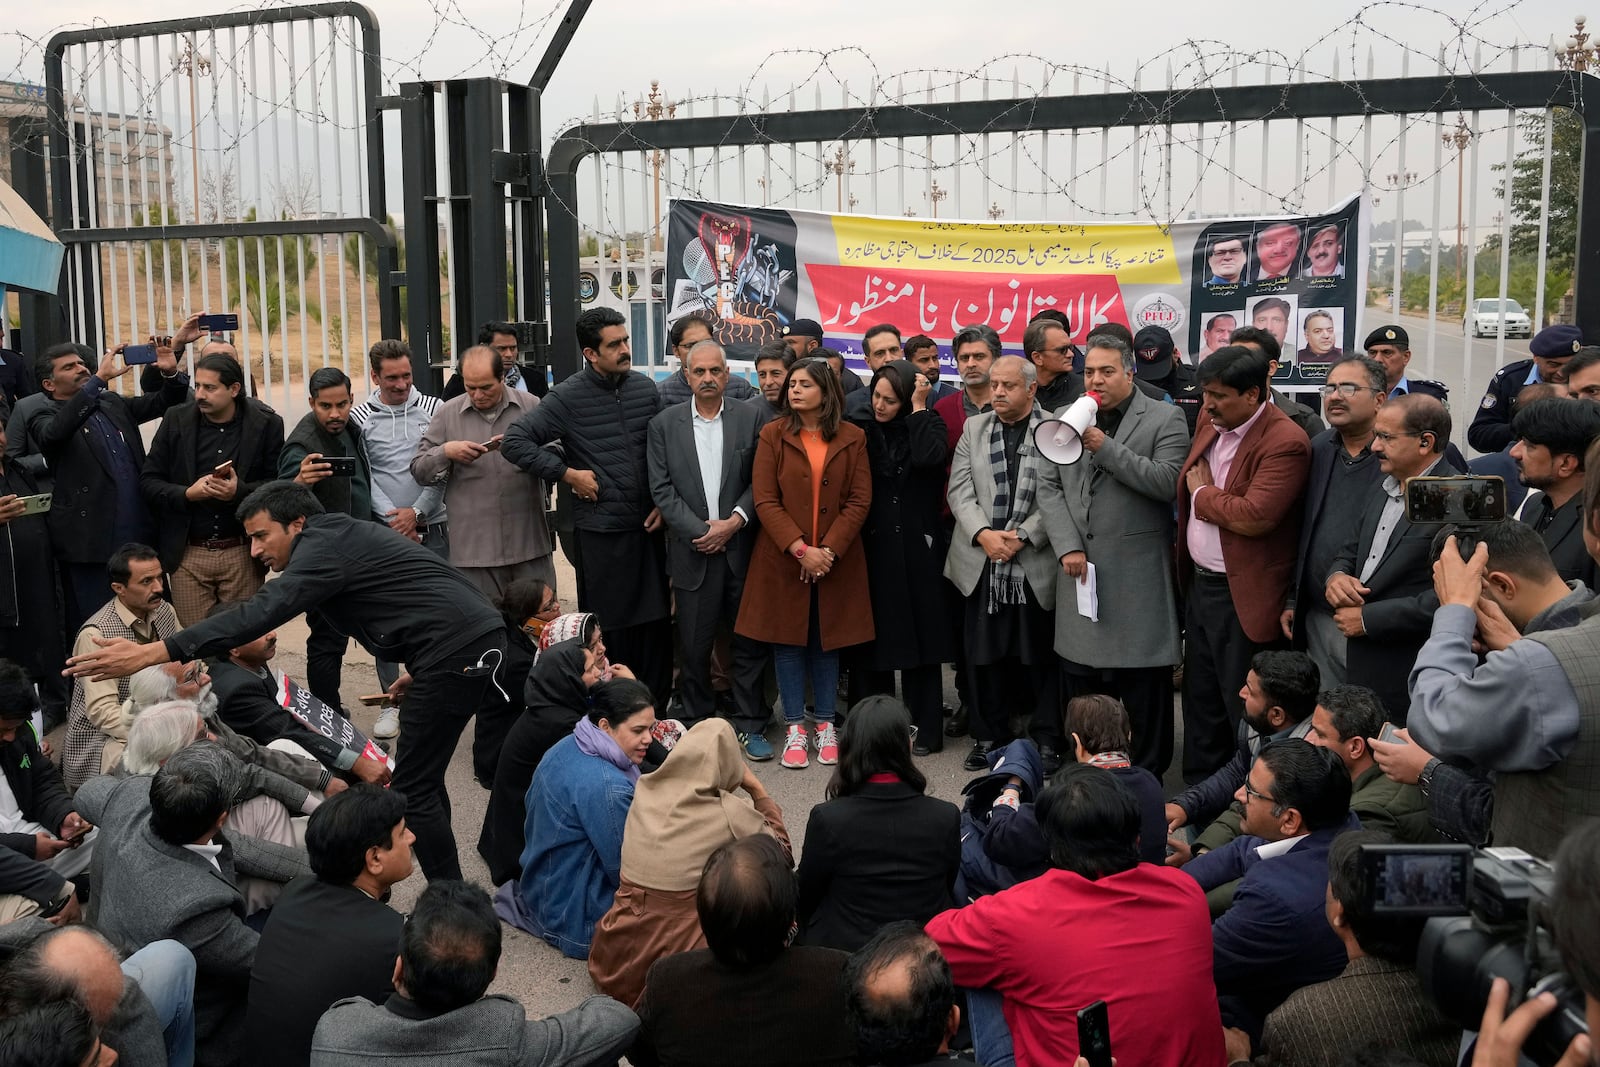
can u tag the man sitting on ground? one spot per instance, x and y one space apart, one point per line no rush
1279 694
144 1007
1377 999
1346 716
900 1001
725 1005
1148 926
331 935
1274 939
166 869
438 1014
44 842
247 700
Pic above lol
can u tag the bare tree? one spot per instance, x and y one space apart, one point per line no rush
219 196
295 195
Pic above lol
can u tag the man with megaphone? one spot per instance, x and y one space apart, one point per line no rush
1111 508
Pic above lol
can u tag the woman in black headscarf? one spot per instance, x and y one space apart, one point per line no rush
905 545
555 698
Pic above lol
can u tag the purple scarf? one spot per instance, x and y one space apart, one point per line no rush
593 741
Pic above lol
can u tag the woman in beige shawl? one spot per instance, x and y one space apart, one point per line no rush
681 813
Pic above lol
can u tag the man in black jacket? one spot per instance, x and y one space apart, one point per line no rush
43 840
207 456
601 416
30 617
92 443
401 602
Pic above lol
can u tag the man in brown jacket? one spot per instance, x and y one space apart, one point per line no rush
498 531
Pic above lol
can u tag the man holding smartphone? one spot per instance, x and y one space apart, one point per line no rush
326 454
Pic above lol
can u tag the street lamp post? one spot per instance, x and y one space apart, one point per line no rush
1459 138
935 195
655 107
840 165
192 63
996 211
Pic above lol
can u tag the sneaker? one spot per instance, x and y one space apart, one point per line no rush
827 744
388 725
756 747
795 746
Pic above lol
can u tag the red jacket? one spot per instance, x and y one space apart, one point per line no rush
1139 940
1259 513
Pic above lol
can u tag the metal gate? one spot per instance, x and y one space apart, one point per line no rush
225 163
1105 152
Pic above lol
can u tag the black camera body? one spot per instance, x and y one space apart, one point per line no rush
1486 912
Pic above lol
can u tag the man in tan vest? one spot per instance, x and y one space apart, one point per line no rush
1530 713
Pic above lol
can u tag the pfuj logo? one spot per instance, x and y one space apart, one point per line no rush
1158 309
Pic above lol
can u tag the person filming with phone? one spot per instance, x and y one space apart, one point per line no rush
1530 712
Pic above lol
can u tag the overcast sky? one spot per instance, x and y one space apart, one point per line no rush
741 49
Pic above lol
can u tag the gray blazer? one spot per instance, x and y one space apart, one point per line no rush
492 1032
1115 506
680 493
148 890
970 493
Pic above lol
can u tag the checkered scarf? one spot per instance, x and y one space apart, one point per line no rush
1008 510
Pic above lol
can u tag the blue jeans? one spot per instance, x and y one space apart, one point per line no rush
164 972
793 664
991 1037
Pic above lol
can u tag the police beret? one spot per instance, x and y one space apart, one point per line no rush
1388 335
1553 342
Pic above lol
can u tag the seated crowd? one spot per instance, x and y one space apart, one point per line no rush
206 878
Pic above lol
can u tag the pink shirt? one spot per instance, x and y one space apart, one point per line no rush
1205 538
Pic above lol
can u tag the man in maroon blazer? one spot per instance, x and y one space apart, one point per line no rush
1238 527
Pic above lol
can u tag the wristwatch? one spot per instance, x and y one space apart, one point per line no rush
1425 779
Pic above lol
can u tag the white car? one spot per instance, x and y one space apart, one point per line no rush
1485 318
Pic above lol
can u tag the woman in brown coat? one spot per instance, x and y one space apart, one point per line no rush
805 593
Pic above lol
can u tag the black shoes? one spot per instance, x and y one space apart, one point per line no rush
959 722
978 758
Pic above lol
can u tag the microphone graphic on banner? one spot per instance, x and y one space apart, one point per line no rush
1060 440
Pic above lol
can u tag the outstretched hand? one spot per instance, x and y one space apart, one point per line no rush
116 657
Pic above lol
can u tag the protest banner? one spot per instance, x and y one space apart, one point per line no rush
753 271
316 715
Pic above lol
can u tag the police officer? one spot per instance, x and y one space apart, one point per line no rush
1391 346
1551 348
1154 368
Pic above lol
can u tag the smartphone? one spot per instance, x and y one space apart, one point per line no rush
1391 734
341 466
375 700
134 355
219 323
35 505
223 468
493 443
1094 1035
1464 500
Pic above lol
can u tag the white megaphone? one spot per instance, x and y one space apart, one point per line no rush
1060 440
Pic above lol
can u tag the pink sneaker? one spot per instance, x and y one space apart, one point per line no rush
795 747
827 744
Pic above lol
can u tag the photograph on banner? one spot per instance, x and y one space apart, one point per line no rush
1322 340
752 271
1300 269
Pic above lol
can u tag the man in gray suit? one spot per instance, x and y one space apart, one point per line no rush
438 1015
1112 510
166 869
700 456
1001 562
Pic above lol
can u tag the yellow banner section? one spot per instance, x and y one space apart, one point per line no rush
1137 254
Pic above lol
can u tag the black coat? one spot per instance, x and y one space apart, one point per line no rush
905 544
886 852
35 782
248 704
30 623
85 492
601 421
170 469
400 600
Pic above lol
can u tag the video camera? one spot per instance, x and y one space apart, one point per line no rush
1486 913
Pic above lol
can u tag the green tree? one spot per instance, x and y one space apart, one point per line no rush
162 260
1528 193
253 275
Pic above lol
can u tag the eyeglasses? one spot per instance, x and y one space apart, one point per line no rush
1061 352
1249 792
192 675
1379 435
1346 389
913 733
